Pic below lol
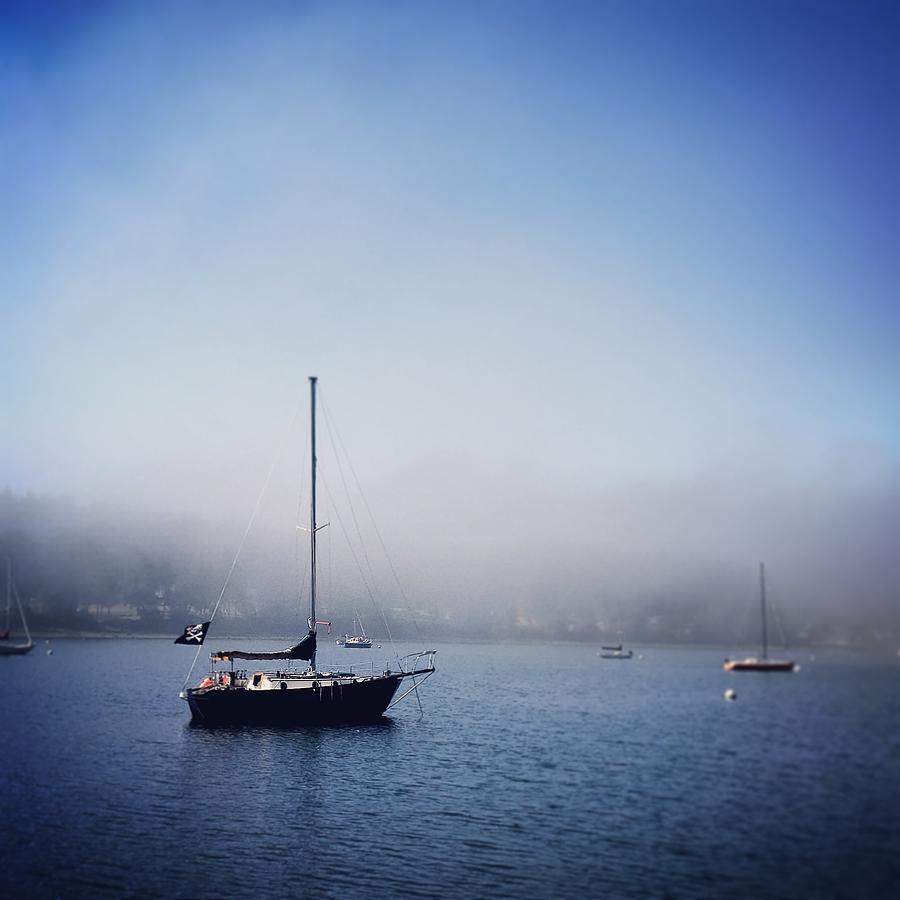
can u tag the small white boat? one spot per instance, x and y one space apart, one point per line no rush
355 641
359 641
615 651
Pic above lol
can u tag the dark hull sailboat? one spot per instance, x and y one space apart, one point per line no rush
763 663
286 699
751 664
291 697
15 649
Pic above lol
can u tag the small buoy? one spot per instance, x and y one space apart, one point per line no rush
49 653
640 656
730 694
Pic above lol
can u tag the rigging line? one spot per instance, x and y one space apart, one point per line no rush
776 615
346 534
362 574
332 427
279 451
21 612
332 432
297 529
379 609
8 592
302 573
418 698
340 469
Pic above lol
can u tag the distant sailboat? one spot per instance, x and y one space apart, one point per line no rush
763 663
11 591
615 651
357 641
288 696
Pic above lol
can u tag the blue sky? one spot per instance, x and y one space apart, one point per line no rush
565 247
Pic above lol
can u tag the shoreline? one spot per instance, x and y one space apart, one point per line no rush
63 634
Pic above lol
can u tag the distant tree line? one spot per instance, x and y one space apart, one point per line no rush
98 569
77 568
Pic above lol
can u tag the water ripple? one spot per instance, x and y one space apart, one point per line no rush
537 772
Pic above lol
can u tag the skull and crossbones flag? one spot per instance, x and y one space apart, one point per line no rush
193 634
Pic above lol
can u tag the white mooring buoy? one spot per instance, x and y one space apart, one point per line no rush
730 694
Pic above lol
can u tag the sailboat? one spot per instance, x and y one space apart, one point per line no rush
11 591
358 641
763 663
288 696
615 651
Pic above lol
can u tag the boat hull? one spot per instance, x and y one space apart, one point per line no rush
15 649
758 665
363 700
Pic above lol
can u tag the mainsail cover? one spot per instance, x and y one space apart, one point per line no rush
304 650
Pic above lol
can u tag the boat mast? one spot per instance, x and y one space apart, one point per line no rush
762 601
8 591
312 515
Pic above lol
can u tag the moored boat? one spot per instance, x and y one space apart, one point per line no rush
288 695
752 664
357 641
615 651
763 663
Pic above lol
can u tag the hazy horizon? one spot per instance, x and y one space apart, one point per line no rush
602 297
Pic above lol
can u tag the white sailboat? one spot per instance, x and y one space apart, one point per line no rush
615 651
10 649
358 641
288 696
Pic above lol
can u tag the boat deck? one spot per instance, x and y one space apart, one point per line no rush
278 680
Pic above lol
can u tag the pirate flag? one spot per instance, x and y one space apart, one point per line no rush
193 634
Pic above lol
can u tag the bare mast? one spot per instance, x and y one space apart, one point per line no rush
762 601
312 515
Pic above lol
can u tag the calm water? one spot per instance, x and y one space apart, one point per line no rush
536 772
